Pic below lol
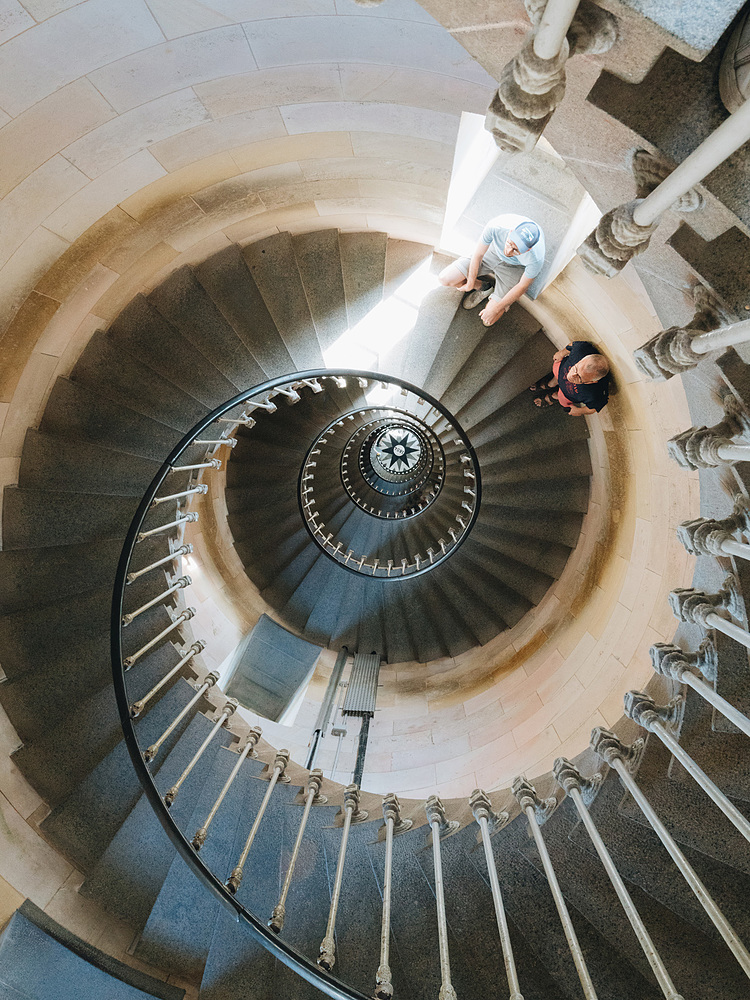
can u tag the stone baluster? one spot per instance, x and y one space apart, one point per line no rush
352 814
626 230
152 751
131 660
137 707
186 519
178 496
213 463
441 827
277 774
708 537
394 824
533 83
679 349
481 808
581 790
183 550
708 447
620 758
247 751
538 811
228 710
662 721
244 419
312 794
698 608
671 661
179 584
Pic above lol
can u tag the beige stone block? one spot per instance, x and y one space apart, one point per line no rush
52 54
307 145
31 201
13 20
77 262
232 95
175 65
10 900
525 759
194 254
251 229
389 208
13 785
134 280
19 339
223 215
28 402
352 222
398 119
100 196
174 186
37 134
403 147
237 189
308 191
437 91
375 168
42 9
72 313
218 136
30 865
147 125
29 263
183 17
77 342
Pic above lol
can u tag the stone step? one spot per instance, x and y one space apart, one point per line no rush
363 259
186 305
61 757
141 330
83 825
124 379
274 269
436 312
319 264
140 843
177 935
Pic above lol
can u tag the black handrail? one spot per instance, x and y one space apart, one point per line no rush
312 973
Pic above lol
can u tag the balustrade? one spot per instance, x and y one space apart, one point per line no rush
618 755
579 789
352 814
481 808
279 765
186 615
441 826
673 662
137 707
535 810
152 751
706 447
185 519
394 824
214 463
314 782
203 488
183 550
663 721
199 838
221 721
708 537
179 584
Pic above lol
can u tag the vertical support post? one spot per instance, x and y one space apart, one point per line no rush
247 751
393 823
312 794
228 711
440 825
352 812
152 751
235 879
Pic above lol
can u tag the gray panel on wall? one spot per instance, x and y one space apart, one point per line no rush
270 666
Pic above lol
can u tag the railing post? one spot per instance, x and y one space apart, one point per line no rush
137 707
183 550
626 231
441 827
708 537
314 782
352 814
393 824
227 712
671 661
579 789
707 447
152 751
481 808
533 83
178 522
185 616
660 720
607 746
199 839
279 764
536 809
179 584
203 489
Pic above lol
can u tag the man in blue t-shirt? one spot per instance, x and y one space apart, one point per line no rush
507 243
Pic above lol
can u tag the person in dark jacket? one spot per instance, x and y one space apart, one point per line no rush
579 381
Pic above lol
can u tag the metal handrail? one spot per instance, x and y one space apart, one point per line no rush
290 957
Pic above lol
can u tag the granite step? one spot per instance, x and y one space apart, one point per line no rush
319 265
363 259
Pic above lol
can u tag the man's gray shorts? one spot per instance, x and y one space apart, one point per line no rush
506 276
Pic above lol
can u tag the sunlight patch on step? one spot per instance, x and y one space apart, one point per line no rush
366 345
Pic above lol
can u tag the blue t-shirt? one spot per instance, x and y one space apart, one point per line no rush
496 233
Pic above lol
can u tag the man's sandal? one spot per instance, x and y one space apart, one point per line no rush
542 401
472 299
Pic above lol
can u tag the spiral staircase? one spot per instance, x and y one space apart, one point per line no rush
153 783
